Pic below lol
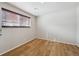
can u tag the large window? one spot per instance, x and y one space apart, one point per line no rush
13 19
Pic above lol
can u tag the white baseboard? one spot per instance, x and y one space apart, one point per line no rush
33 39
59 41
77 45
66 42
15 47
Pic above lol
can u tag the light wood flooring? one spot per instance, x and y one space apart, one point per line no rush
39 47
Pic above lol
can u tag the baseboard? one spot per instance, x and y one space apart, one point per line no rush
60 41
15 47
33 39
66 43
77 45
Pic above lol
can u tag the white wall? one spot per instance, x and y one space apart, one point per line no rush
77 25
11 37
60 25
0 23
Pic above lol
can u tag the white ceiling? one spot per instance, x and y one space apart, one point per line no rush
39 8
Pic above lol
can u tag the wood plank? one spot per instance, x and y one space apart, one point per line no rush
40 47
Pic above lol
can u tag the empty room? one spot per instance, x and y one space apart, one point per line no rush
39 28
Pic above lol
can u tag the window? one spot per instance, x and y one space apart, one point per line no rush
13 19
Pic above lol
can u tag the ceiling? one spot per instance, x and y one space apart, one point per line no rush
41 8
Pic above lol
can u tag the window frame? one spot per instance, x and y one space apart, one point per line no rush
20 15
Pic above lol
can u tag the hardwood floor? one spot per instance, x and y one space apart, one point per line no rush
39 47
